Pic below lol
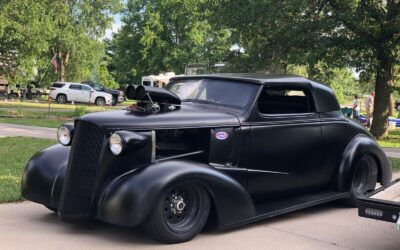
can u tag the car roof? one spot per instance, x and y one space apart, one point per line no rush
76 83
324 97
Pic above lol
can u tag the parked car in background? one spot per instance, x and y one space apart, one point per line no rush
118 96
64 92
245 147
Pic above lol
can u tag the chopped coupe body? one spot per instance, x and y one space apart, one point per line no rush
246 147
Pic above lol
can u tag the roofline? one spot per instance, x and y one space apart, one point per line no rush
258 79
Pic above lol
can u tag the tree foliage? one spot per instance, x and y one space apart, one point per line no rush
360 34
165 35
32 32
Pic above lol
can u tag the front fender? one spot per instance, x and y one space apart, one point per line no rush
129 199
359 146
42 178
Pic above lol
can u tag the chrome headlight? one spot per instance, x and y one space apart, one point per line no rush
124 141
65 133
116 144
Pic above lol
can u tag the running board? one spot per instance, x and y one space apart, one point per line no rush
283 206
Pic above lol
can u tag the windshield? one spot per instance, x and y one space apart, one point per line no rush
221 92
98 87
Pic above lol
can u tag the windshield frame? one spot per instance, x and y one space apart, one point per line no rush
250 102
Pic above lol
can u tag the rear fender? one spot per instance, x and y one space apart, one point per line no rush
357 148
129 199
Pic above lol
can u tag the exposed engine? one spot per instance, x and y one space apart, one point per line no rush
152 100
183 141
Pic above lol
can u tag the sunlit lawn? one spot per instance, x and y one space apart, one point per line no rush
392 141
14 154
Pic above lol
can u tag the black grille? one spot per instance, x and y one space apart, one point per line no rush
82 170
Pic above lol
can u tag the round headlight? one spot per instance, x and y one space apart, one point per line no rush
116 144
64 135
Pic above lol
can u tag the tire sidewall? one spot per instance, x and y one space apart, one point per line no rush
59 96
372 169
166 233
98 99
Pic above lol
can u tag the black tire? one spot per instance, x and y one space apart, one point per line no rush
100 101
398 107
114 101
61 99
180 214
364 179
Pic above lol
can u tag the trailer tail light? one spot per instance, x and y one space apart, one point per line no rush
374 212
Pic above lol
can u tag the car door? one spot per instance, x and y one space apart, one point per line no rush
286 142
85 94
73 92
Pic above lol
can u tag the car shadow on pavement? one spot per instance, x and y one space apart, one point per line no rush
308 212
138 235
99 229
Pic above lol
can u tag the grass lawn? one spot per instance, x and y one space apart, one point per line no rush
38 122
54 105
14 154
395 163
392 141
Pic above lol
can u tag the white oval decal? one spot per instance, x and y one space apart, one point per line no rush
222 135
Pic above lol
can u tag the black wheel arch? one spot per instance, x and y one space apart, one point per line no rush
358 147
129 199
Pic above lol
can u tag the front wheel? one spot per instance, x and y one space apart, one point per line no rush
180 214
364 179
100 101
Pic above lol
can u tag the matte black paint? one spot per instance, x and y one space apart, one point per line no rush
266 166
116 205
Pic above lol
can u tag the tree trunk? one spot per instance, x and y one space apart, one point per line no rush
391 105
64 62
379 127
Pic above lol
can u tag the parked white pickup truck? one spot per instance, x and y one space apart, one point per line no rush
64 92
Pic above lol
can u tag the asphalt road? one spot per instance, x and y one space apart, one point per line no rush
28 131
31 226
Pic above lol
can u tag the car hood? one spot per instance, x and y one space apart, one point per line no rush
189 116
112 91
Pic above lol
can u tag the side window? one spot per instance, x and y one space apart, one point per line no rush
75 87
86 88
285 101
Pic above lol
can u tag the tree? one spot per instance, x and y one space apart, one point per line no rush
360 34
24 28
77 28
165 35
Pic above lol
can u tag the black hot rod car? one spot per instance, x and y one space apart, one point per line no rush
245 147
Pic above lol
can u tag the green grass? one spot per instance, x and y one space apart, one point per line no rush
392 141
54 105
38 122
14 154
395 163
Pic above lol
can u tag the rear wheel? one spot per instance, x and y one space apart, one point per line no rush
364 179
61 98
180 214
100 101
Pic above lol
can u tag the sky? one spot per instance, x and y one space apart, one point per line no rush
115 27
